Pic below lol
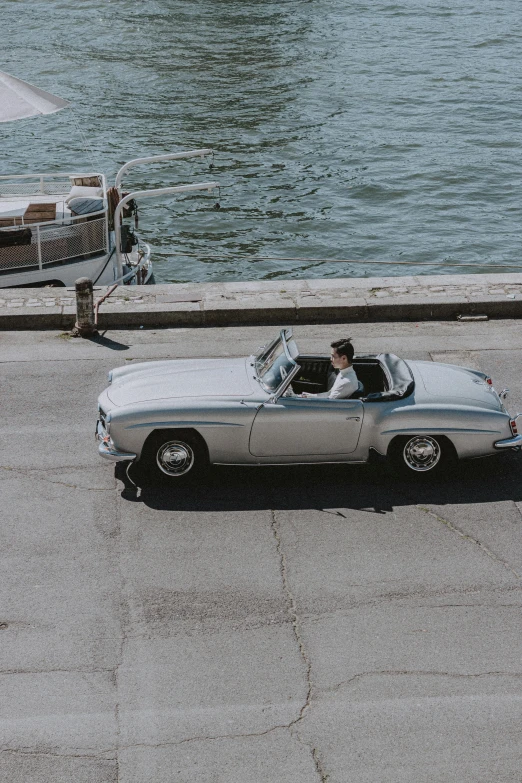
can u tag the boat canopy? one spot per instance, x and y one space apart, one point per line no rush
19 99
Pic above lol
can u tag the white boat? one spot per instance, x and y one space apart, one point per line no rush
57 227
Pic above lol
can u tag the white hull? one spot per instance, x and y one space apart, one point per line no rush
97 269
100 270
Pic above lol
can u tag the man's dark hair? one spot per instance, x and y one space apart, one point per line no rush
344 347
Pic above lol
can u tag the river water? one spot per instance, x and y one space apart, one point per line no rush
365 132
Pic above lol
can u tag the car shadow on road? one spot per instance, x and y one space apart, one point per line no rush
362 487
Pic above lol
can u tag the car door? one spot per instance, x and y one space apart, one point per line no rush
297 427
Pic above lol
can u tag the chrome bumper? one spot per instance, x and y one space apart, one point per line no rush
106 448
509 443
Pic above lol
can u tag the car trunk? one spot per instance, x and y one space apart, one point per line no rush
445 383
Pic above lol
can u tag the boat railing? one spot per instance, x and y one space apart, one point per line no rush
50 184
42 244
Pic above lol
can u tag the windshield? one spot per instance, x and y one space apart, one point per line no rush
275 363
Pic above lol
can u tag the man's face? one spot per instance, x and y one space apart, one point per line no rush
339 362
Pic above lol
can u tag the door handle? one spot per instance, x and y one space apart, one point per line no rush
353 418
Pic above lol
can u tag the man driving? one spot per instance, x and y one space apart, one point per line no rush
346 382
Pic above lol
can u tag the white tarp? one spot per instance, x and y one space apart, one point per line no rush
19 99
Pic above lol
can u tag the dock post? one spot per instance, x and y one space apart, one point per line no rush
85 325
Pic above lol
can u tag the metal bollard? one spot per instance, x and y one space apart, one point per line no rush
84 326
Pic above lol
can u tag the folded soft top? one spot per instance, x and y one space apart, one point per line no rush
400 379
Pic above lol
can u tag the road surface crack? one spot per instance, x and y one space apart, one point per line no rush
419 673
54 754
30 474
518 507
55 671
468 537
292 610
296 626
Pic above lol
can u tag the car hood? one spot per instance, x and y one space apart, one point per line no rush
447 383
180 378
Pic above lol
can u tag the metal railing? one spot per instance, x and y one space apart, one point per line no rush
51 184
70 239
159 159
139 271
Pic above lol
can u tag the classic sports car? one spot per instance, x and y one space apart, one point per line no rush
175 417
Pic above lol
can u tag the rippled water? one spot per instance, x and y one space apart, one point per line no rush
366 131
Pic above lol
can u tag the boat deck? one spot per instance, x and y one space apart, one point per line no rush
43 198
15 211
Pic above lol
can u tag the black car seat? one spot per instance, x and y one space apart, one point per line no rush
359 392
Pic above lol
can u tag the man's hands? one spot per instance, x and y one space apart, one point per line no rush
290 393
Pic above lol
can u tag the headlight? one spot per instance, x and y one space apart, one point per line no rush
108 423
109 377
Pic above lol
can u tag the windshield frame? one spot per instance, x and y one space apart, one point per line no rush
261 362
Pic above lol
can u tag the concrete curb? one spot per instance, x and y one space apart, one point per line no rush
267 302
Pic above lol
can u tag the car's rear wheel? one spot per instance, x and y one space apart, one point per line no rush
174 457
422 455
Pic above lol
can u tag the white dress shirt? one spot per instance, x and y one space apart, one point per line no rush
345 385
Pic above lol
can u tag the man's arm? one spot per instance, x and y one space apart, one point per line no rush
343 388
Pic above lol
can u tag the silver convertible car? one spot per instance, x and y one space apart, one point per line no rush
175 417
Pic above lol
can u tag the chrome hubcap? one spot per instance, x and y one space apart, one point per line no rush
421 453
175 458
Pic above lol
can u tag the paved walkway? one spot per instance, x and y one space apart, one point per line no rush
283 301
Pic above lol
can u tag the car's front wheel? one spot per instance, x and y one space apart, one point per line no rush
174 457
422 455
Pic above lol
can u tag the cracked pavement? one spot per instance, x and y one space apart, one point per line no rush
298 624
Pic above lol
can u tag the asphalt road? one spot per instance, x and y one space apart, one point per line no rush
273 625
